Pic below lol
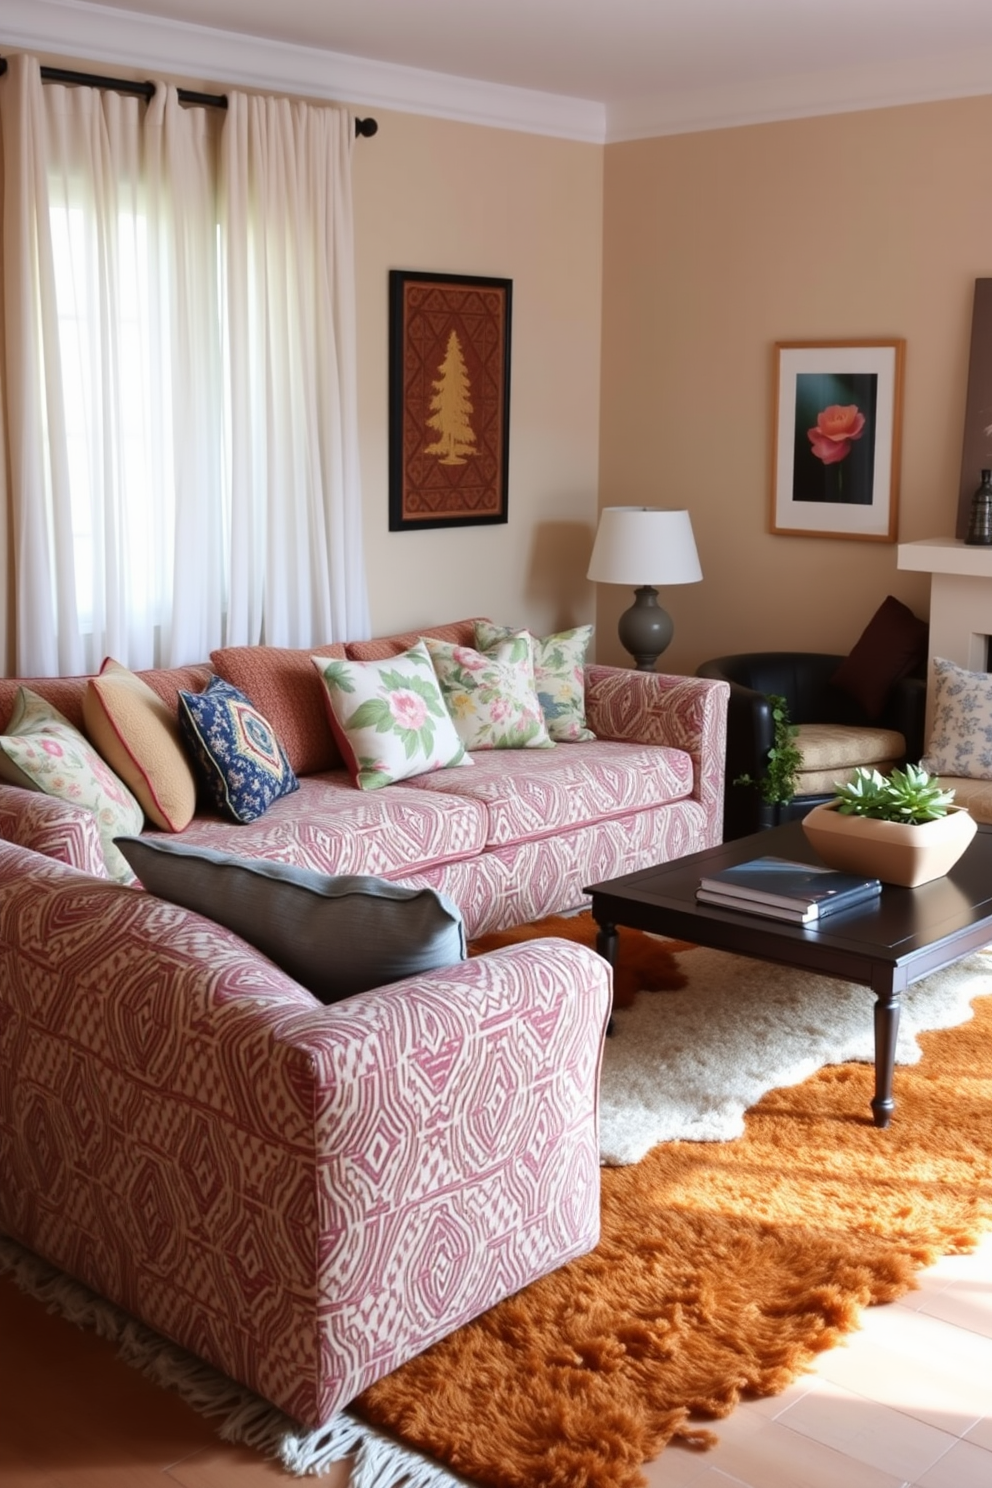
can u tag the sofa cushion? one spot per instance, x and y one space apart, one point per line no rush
892 646
458 632
831 751
42 751
336 936
559 677
284 687
835 746
960 741
540 793
389 717
331 827
138 736
491 695
238 756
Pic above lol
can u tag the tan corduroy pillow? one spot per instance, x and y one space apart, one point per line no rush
139 739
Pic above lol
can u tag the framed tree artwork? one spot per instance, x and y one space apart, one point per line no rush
449 399
836 439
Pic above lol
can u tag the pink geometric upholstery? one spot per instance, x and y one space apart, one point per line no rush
67 833
304 1196
332 827
511 885
654 708
527 793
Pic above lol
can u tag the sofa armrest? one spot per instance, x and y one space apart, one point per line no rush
688 713
55 828
352 1182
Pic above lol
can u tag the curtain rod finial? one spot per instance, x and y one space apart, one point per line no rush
366 128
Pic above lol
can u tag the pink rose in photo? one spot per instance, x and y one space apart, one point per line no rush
835 428
51 746
499 709
408 709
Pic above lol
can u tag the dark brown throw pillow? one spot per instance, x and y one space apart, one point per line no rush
892 645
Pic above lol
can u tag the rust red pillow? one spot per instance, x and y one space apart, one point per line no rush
282 684
892 645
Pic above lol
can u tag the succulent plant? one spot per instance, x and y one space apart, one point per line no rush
911 795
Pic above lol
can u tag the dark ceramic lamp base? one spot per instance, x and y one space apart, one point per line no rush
645 629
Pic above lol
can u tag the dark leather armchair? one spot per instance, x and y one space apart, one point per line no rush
803 679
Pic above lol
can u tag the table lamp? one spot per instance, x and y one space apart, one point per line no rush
644 546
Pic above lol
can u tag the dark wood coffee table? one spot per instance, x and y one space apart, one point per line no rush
898 938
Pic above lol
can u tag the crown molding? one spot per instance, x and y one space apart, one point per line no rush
80 31
803 96
102 34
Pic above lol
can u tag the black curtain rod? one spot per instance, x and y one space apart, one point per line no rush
363 127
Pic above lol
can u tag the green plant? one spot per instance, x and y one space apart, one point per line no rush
777 785
911 795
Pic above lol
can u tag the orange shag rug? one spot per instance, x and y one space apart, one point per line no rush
723 1269
643 963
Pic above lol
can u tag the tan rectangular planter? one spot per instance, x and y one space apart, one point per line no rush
895 852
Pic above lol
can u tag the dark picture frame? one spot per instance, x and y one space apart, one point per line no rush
449 399
976 443
836 439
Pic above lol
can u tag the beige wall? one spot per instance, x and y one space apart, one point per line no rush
456 198
716 246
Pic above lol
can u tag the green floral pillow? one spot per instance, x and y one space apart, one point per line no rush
389 718
559 677
491 694
42 751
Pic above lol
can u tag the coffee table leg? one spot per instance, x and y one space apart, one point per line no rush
887 1009
607 946
607 943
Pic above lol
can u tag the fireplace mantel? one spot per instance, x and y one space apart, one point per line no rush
960 598
946 555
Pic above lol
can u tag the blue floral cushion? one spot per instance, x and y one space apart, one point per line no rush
235 751
960 740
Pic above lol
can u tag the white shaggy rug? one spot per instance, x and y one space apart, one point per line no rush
686 1065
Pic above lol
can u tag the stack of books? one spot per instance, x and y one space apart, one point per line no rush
786 890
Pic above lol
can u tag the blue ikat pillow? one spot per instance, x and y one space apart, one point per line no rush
236 754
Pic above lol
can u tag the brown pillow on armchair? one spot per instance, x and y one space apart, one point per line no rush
892 645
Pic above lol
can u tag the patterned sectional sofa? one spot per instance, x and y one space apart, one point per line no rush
307 1195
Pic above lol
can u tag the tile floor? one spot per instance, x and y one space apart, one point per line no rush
906 1401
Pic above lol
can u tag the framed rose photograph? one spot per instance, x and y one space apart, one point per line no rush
449 399
836 439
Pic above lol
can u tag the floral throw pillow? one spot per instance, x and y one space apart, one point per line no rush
491 694
960 740
235 751
43 751
389 718
559 677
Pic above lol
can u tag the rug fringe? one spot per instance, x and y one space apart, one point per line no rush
380 1462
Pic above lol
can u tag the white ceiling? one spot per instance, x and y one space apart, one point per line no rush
604 50
684 63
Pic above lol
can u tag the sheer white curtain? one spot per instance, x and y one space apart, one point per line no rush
297 569
180 376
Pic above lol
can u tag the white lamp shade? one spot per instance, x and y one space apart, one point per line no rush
639 545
